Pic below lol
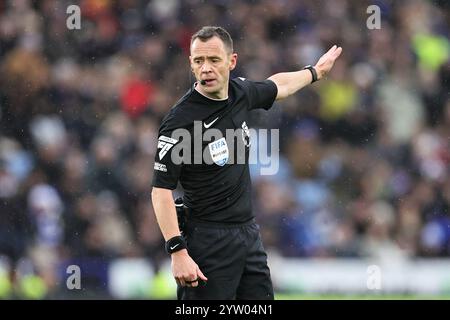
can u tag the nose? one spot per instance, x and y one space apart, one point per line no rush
206 67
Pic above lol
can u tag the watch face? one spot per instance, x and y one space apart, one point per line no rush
313 72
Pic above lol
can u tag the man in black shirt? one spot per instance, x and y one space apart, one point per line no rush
220 254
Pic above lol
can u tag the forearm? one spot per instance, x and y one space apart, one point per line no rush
184 268
290 82
165 212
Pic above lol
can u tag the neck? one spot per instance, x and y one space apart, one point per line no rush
220 95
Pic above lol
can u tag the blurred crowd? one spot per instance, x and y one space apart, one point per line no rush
364 155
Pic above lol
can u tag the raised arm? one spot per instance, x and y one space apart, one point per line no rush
290 82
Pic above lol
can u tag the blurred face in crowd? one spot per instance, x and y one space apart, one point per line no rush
212 61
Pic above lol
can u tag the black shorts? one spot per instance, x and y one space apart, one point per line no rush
232 258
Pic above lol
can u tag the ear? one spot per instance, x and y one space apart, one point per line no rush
233 61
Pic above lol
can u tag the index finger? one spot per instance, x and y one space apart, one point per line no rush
337 53
331 50
201 275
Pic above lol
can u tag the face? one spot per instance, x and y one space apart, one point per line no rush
210 61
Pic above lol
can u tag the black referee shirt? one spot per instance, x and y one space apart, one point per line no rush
214 172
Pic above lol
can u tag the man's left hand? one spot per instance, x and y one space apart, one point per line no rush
326 62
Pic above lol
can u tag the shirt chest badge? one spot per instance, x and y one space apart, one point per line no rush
219 151
245 135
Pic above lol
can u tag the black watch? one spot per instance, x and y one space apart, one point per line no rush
175 244
313 72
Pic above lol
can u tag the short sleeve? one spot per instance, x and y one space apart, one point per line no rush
166 172
261 94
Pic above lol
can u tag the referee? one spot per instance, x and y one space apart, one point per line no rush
219 254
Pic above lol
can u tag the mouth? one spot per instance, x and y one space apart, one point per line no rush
209 82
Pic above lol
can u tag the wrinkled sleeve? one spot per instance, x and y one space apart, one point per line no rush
261 94
166 171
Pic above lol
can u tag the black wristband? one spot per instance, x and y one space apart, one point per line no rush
313 72
175 244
